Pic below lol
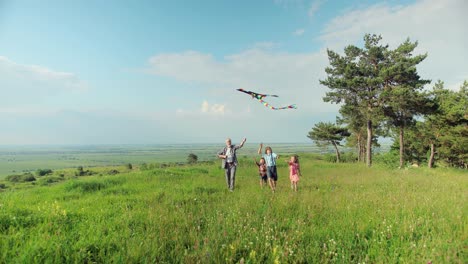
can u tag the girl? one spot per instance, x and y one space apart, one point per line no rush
294 171
262 171
270 160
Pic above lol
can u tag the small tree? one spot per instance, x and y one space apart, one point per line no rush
328 133
192 158
129 166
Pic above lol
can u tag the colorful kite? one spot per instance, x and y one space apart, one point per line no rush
260 97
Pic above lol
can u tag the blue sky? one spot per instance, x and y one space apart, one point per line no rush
145 72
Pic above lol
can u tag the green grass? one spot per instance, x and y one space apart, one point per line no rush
343 213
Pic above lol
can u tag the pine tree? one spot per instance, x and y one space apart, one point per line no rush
328 133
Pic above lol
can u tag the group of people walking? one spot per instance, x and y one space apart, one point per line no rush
266 166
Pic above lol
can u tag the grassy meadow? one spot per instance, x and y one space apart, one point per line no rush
342 213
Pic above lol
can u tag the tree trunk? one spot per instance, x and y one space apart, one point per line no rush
359 145
402 147
337 152
369 144
363 151
430 163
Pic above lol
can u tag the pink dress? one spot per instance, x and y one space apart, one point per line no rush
294 171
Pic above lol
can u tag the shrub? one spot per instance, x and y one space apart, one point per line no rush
129 166
91 186
27 177
113 172
389 159
43 172
13 178
349 157
192 158
50 180
81 172
2 186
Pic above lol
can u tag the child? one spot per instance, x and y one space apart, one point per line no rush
262 171
294 171
270 160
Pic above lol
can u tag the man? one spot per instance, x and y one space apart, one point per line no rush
229 161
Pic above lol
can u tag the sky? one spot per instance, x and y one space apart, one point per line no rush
164 72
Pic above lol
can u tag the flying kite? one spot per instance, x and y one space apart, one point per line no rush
260 97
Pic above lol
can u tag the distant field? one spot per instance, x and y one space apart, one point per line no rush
22 159
343 213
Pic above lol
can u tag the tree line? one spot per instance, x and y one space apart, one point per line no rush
382 95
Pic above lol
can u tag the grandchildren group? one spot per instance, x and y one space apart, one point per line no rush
266 166
268 172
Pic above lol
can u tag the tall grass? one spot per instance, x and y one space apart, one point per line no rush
342 213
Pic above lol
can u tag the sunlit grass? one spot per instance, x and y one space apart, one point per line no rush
342 213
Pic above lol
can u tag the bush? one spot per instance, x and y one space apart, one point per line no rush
81 172
50 180
192 158
389 159
13 178
91 186
113 172
43 172
2 186
144 166
349 157
27 177
129 166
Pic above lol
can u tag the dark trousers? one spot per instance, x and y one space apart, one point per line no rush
230 173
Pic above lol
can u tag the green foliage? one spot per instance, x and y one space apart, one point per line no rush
81 172
192 158
129 166
389 159
43 172
50 180
444 131
26 177
3 186
113 172
328 133
375 85
346 157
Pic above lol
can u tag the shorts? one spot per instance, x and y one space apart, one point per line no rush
272 173
263 177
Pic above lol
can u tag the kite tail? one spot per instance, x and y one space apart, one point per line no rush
293 106
267 104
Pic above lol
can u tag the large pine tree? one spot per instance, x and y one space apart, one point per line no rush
357 80
404 99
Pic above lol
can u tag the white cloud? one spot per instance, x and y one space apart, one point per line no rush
299 32
26 85
293 76
217 109
34 74
314 7
438 26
